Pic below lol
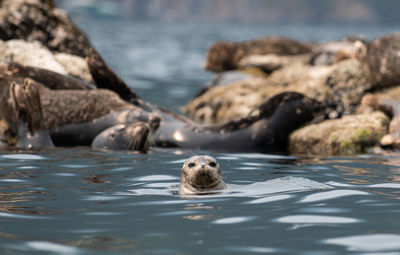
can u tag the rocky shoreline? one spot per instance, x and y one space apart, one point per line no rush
355 79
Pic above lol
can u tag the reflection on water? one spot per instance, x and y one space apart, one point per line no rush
387 242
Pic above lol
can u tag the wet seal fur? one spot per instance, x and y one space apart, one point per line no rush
264 130
132 137
201 175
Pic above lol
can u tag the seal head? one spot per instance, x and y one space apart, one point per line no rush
124 137
200 175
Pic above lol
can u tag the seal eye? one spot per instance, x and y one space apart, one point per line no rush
213 164
191 165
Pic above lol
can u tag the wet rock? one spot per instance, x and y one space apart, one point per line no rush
35 20
381 60
348 135
226 55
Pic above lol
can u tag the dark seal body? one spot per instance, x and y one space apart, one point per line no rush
266 130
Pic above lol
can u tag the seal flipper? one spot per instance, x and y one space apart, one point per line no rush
33 140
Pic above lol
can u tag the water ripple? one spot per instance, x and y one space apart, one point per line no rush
12 180
234 220
269 199
46 246
102 198
316 219
23 216
22 156
368 243
156 178
331 195
252 249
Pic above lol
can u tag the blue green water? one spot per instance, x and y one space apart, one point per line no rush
80 201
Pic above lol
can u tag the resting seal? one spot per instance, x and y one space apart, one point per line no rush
124 137
75 117
200 175
264 130
226 55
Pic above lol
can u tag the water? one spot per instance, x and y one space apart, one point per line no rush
80 201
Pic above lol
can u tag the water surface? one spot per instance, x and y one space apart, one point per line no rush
78 201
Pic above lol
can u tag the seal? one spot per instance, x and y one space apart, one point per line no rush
132 137
201 175
266 129
226 55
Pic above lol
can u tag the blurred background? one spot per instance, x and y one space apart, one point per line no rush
249 11
159 46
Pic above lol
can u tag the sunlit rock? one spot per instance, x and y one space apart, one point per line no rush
348 135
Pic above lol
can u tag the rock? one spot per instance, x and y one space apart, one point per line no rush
74 65
227 77
220 104
381 60
34 54
333 52
348 83
35 20
348 135
340 86
391 107
29 54
226 55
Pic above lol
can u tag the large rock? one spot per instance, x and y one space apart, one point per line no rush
348 135
381 60
35 20
36 55
29 54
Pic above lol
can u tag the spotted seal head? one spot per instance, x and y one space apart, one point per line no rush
124 137
201 175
